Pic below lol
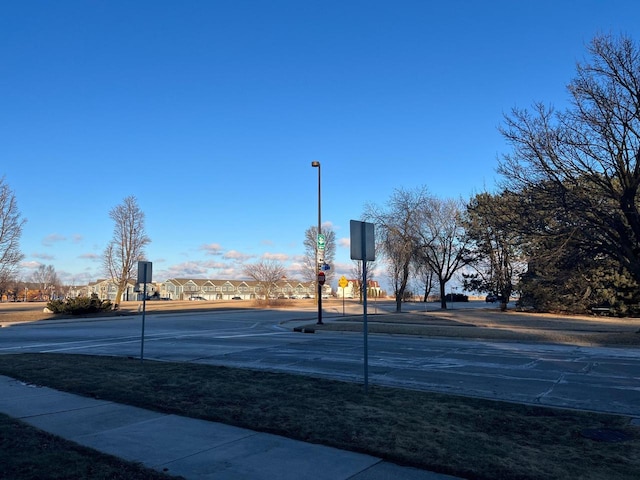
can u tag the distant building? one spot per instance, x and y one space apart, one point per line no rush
107 290
201 288
216 289
352 290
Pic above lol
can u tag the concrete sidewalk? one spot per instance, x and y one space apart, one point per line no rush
194 449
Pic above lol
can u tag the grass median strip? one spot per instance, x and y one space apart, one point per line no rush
468 437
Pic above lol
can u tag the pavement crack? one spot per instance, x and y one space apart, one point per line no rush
589 367
540 396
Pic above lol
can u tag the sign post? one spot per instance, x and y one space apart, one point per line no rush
321 243
144 277
363 248
321 280
342 283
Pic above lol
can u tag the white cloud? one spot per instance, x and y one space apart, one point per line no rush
182 270
212 265
328 224
43 256
83 278
30 265
280 257
199 269
53 238
237 256
212 248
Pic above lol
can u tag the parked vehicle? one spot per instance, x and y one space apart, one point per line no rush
491 298
197 298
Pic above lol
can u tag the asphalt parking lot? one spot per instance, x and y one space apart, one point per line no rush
544 360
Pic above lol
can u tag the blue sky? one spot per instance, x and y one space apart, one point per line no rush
211 112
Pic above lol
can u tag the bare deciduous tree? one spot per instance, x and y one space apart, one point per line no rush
266 273
397 227
47 279
126 247
419 232
586 159
442 243
10 231
16 289
425 276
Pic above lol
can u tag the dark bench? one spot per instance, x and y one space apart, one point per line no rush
601 310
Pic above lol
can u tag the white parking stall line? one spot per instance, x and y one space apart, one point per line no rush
153 338
81 347
75 342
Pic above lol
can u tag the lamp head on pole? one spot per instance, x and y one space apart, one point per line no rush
315 164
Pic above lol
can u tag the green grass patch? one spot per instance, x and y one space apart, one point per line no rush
471 438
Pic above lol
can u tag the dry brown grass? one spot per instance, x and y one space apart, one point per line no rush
491 324
17 312
472 438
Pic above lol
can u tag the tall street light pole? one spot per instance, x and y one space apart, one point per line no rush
318 266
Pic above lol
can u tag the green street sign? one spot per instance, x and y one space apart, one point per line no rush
321 241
